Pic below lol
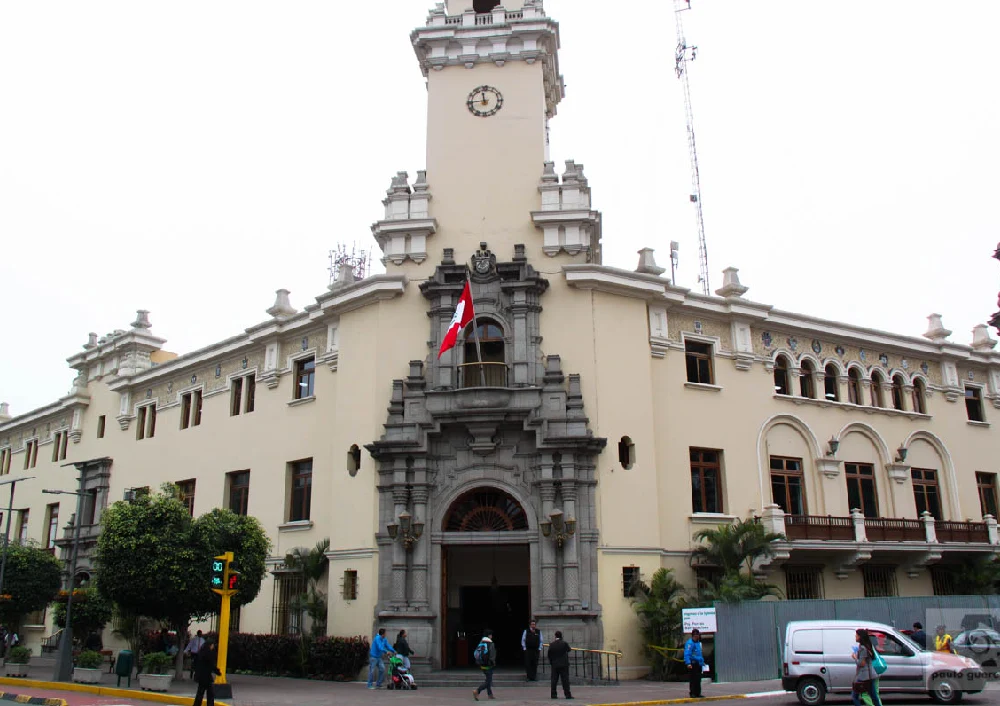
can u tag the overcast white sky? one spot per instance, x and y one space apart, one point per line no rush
192 157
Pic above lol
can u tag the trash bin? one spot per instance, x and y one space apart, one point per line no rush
124 665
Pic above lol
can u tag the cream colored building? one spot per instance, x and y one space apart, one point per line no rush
613 416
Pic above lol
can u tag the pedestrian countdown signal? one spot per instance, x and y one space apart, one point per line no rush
218 573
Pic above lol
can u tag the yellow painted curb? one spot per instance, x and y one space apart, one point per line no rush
106 691
686 700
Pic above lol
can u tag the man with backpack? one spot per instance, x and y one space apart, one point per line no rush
486 657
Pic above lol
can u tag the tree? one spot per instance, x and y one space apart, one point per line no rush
659 606
91 612
974 577
31 580
735 546
735 587
224 531
311 564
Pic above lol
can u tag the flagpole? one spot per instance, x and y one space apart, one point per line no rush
475 331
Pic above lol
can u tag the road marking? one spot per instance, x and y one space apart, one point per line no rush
762 694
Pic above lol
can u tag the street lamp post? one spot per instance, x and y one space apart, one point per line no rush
64 658
6 532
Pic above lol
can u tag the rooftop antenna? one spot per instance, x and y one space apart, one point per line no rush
682 55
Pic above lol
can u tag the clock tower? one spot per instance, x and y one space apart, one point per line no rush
493 83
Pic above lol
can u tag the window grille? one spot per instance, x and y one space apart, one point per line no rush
285 618
803 582
942 581
631 579
349 585
880 581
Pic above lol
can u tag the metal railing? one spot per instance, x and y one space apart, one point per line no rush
881 529
476 374
961 531
819 527
51 643
591 665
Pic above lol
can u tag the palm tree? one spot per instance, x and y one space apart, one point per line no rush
735 587
735 546
311 564
658 606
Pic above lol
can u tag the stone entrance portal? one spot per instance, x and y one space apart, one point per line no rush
470 472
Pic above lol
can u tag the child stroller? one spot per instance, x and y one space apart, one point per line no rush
399 676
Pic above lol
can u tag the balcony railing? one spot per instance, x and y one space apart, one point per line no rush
482 375
819 527
881 529
961 531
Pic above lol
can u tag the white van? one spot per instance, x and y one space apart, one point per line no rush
818 660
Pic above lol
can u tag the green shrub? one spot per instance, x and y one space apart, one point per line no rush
156 662
89 659
330 658
19 655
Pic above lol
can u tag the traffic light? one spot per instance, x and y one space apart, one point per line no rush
218 573
232 578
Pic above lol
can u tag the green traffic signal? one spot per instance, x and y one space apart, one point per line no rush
218 573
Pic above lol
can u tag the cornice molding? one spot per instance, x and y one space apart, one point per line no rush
66 404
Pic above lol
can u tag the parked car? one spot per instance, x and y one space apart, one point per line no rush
980 644
818 660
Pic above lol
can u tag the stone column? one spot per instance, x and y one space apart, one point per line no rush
991 528
773 519
843 391
421 552
399 572
550 583
930 531
859 525
570 552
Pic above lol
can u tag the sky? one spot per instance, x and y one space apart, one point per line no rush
192 157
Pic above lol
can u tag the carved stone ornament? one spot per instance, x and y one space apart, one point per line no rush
484 261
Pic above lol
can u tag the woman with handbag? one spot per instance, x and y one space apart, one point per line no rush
865 676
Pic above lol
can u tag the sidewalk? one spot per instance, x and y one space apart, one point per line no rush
268 691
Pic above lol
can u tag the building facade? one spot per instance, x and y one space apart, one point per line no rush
575 441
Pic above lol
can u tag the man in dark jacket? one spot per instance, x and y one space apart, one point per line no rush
531 643
559 651
488 665
205 669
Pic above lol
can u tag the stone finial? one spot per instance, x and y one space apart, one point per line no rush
647 263
4 411
142 320
420 185
935 329
91 341
573 173
282 308
549 173
731 286
981 340
400 184
345 276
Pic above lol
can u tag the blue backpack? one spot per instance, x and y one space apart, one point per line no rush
482 654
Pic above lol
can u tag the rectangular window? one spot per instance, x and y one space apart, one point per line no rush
140 423
185 493
90 507
145 427
925 492
239 492
706 495
250 393
185 410
787 485
59 445
196 408
191 409
803 582
861 488
52 527
880 581
100 427
288 587
699 362
30 453
236 397
986 483
22 527
942 581
974 404
305 378
5 460
630 581
151 430
350 590
301 500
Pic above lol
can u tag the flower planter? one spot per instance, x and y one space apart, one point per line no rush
15 670
87 676
154 682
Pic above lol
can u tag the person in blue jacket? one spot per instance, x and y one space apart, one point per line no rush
694 661
379 647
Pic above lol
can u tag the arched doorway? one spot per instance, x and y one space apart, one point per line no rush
486 575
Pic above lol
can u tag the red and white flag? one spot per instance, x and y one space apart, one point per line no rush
463 315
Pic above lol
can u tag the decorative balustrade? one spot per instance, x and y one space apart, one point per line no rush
819 527
961 531
482 375
881 529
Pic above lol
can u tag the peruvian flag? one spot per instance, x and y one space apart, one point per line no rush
463 315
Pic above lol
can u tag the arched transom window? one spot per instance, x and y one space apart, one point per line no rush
485 510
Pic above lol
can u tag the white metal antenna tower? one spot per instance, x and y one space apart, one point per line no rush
682 55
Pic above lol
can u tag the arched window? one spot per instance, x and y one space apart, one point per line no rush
781 376
831 387
854 386
807 380
877 380
485 510
491 369
919 396
897 391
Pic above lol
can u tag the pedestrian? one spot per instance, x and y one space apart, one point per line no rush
192 648
93 641
486 657
559 661
531 644
864 674
919 636
942 640
695 661
402 648
379 647
205 668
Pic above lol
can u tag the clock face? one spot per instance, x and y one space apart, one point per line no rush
484 101
482 266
